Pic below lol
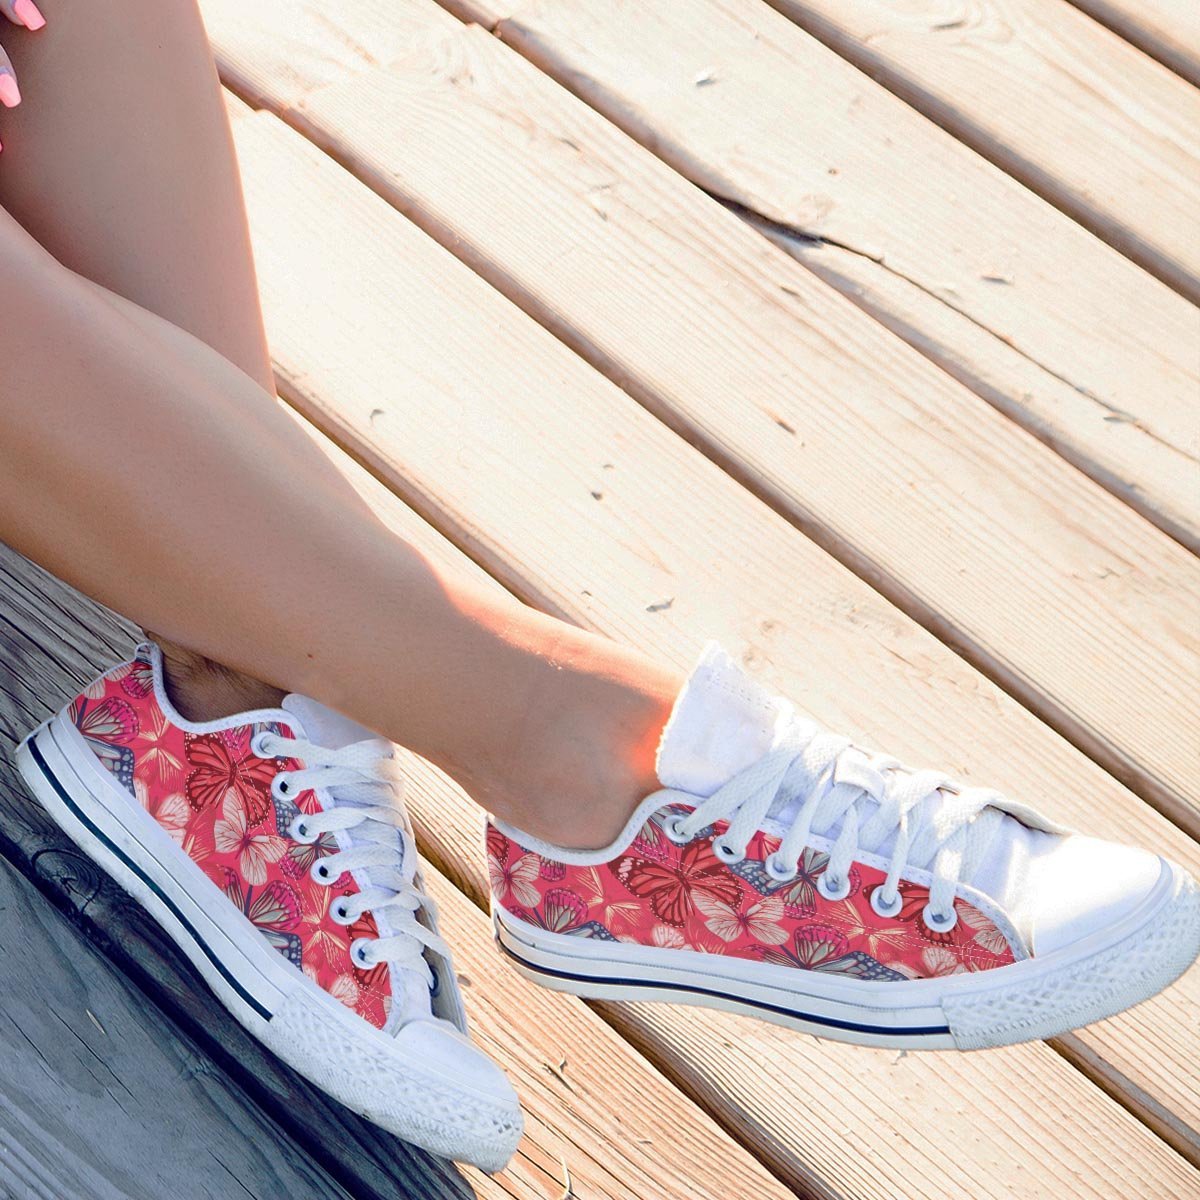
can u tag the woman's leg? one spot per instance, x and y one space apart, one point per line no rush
120 162
142 466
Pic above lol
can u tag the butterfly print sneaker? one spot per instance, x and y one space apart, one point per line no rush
784 873
273 848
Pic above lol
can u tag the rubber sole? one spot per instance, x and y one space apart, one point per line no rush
363 1068
1025 1001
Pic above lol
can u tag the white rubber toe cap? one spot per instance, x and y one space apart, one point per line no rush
475 1114
439 1048
1084 886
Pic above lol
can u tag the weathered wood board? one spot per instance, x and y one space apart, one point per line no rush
1101 130
457 401
1091 353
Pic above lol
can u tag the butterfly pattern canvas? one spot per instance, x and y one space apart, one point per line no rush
213 796
658 893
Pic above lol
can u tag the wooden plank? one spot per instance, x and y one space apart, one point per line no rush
746 105
102 1098
1102 131
595 512
1168 30
52 642
45 622
317 45
929 493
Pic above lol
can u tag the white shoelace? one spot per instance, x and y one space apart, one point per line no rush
379 839
821 779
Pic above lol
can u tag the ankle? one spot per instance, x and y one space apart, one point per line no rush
204 690
586 755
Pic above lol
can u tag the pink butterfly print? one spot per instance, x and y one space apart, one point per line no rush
515 880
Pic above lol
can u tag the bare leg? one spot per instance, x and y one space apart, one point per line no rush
120 163
146 469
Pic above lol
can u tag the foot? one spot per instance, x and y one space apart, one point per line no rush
272 846
785 873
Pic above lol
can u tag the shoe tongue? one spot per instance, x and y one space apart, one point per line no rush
323 725
722 722
328 728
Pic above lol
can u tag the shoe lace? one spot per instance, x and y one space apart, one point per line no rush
367 810
812 780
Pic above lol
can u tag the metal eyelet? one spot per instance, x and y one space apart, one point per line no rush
258 744
337 911
882 908
726 853
281 789
833 888
778 870
320 873
939 922
671 829
358 954
300 831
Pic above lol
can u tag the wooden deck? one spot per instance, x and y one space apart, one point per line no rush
858 334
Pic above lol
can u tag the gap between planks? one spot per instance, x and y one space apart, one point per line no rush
1168 30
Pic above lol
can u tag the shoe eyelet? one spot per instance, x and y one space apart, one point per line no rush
258 744
358 954
281 789
939 922
300 831
833 888
338 913
882 908
671 829
778 870
320 873
726 853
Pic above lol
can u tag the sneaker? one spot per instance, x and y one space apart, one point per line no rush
784 873
273 848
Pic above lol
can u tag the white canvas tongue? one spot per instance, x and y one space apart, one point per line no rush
325 727
723 721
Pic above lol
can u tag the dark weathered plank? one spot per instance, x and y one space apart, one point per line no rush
52 640
103 1098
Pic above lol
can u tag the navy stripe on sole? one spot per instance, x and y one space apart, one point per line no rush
811 1018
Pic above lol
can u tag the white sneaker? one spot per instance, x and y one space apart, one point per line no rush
273 848
784 873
